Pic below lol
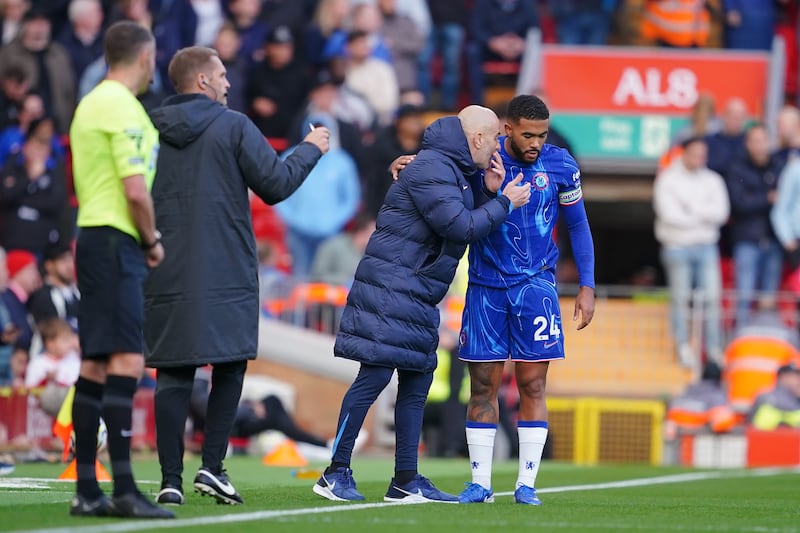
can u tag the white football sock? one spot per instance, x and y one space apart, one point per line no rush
532 436
480 441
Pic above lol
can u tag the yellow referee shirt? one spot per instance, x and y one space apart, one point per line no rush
111 138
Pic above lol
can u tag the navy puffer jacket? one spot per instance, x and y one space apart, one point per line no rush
422 231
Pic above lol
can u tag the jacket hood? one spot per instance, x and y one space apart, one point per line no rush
182 118
446 136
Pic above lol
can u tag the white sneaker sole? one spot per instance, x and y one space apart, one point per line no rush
170 491
325 492
204 489
414 498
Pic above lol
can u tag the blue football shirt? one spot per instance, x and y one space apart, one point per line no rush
524 245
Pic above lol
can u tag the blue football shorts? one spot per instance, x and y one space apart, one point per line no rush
521 323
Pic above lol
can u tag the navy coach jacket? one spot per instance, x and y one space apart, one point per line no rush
422 230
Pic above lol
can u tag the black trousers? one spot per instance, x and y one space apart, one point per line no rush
172 402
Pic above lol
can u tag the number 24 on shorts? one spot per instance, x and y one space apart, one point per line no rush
541 333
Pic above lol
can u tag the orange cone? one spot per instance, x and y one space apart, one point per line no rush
71 473
285 454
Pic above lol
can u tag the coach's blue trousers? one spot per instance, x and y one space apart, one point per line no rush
412 392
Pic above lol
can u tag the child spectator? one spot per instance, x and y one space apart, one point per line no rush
57 367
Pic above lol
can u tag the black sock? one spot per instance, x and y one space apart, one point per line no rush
335 466
401 477
85 421
117 412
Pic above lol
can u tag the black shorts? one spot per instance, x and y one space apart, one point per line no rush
111 270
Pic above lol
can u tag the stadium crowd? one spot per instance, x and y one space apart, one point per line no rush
371 71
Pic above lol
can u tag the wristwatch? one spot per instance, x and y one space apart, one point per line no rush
149 246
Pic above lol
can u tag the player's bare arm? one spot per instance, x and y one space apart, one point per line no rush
584 306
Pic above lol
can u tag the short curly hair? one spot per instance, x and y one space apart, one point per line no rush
527 106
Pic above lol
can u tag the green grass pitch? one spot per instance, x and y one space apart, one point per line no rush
597 499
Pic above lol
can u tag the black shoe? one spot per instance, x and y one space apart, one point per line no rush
217 485
170 495
83 506
136 505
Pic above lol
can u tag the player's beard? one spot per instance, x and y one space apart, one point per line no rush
519 154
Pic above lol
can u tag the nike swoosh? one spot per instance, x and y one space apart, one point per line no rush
126 433
227 488
466 187
332 486
550 344
418 493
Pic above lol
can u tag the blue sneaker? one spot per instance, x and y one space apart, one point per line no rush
527 495
418 490
476 493
338 486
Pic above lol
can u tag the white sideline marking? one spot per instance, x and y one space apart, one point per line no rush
144 525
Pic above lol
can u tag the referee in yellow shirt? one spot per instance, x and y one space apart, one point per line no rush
114 150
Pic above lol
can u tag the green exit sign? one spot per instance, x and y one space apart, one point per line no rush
632 137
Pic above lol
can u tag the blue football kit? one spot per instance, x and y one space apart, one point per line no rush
511 308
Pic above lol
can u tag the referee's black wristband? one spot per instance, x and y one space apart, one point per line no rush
150 246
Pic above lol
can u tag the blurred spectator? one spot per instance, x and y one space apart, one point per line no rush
329 17
9 331
278 85
676 23
445 411
403 137
447 39
11 138
788 130
252 30
337 257
19 367
785 216
583 21
728 142
210 17
58 296
47 66
374 79
23 280
691 204
83 37
237 67
498 29
749 24
323 204
758 259
779 407
405 42
416 10
14 86
703 120
325 102
33 193
174 25
12 13
786 22
292 13
273 283
57 368
702 407
363 18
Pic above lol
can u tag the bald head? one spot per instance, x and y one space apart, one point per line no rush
734 116
481 128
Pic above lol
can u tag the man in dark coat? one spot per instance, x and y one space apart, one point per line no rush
391 320
201 305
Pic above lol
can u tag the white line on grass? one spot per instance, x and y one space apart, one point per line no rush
144 525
